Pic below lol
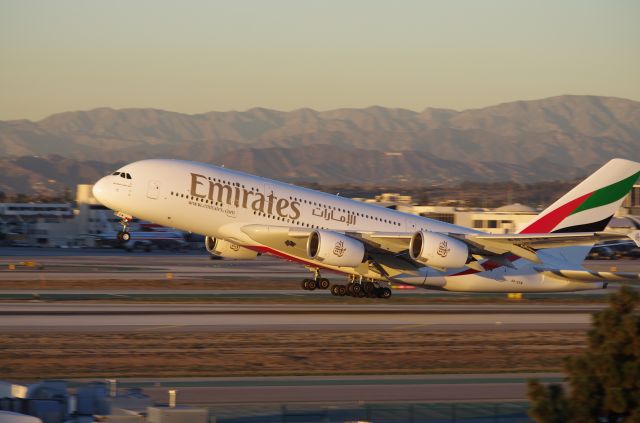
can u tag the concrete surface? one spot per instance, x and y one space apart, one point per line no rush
212 318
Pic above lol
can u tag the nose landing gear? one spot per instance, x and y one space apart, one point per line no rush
124 235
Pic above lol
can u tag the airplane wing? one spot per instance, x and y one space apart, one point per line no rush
590 276
292 241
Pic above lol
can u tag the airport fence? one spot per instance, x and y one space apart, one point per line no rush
512 412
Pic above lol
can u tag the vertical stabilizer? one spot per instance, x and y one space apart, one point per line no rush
589 206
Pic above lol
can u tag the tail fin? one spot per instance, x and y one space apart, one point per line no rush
589 206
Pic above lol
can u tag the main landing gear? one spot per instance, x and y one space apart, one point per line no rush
311 284
361 290
355 288
317 282
124 235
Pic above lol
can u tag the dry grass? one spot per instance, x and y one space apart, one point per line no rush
144 284
162 354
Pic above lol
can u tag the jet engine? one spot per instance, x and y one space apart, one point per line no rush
438 250
229 250
335 249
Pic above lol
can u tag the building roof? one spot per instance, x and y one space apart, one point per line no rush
516 208
624 222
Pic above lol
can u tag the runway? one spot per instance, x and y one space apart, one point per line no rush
36 317
273 295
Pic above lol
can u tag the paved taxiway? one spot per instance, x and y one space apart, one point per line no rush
91 264
213 318
377 388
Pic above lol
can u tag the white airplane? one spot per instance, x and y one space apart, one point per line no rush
243 215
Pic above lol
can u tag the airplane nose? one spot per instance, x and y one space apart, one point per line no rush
100 190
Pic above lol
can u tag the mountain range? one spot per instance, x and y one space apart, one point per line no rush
557 138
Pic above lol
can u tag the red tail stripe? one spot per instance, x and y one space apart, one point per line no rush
547 223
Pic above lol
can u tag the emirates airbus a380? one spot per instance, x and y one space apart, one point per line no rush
243 215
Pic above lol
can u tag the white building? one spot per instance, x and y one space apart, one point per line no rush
631 204
502 220
57 225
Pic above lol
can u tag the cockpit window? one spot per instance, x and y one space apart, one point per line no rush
123 175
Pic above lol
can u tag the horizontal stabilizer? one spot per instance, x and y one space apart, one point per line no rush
526 245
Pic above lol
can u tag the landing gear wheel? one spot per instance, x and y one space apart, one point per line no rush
305 284
124 236
349 289
356 288
342 290
323 283
311 285
386 293
369 287
335 290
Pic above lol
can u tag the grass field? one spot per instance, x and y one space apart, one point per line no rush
161 354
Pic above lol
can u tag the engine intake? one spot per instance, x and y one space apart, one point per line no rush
438 250
335 249
228 250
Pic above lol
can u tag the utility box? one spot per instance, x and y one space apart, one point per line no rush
179 414
12 390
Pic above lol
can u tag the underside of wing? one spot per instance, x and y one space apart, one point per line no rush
357 251
589 275
289 241
526 245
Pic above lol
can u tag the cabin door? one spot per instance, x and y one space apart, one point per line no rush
153 190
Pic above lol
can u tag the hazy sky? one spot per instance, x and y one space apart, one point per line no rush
198 56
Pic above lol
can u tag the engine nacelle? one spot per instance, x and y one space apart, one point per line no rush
438 250
335 249
228 250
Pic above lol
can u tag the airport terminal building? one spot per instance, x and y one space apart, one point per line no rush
81 223
57 224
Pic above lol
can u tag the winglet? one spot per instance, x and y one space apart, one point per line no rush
635 237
